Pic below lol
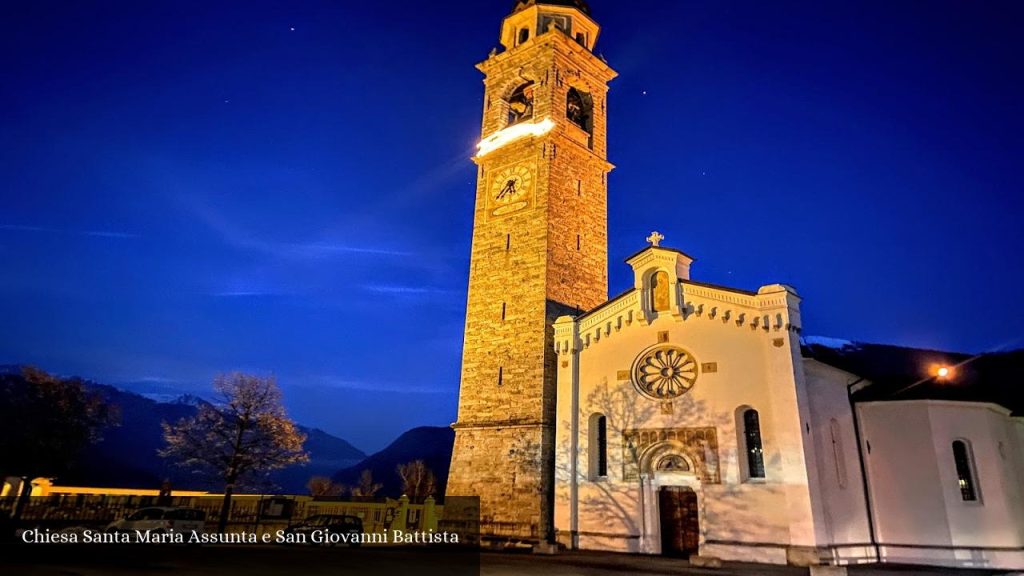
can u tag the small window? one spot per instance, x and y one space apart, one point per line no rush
581 39
524 35
598 446
148 514
965 471
501 374
752 440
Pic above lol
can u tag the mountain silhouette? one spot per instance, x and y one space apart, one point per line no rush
126 455
431 444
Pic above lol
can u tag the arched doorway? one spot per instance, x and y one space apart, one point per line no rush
680 525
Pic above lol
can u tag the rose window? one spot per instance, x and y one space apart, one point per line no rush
664 372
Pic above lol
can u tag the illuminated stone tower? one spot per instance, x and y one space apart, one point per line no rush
540 250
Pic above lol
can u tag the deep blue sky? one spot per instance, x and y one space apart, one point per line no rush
279 186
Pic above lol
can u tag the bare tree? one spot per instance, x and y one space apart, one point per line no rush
367 488
246 433
324 486
418 481
48 421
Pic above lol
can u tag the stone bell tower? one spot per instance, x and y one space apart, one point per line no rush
540 250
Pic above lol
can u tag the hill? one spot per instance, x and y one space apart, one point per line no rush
431 444
904 373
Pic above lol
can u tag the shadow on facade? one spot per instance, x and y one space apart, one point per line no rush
651 446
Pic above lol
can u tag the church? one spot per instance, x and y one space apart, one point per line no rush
681 417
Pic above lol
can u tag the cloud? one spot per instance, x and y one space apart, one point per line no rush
245 294
365 385
409 290
92 233
157 379
323 249
236 237
108 234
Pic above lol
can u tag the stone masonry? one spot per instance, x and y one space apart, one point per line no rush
528 267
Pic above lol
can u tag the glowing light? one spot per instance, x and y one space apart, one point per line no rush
512 133
942 371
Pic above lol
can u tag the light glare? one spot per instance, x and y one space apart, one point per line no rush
502 137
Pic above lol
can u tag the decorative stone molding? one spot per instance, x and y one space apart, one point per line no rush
646 448
774 308
566 339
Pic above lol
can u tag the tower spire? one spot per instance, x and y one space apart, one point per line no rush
580 5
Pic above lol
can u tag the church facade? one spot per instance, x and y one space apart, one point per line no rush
692 420
682 417
666 397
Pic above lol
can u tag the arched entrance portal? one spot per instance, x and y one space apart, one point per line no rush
680 527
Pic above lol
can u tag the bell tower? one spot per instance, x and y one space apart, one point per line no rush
540 250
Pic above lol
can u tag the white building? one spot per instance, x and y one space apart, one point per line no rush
691 420
681 417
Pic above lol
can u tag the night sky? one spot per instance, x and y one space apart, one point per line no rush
284 187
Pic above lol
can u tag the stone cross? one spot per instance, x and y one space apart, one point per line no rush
655 239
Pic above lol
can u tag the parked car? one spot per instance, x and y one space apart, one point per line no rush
327 528
78 531
161 519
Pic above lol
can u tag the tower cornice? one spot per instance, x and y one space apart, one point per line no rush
553 38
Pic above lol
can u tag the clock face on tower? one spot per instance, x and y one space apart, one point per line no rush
511 188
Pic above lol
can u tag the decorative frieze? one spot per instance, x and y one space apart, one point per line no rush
769 313
645 448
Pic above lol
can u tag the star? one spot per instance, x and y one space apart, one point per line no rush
292 28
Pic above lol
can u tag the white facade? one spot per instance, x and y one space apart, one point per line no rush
664 377
920 512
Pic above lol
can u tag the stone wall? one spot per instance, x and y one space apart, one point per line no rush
529 265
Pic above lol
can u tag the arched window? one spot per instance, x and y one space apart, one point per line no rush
754 452
579 109
524 35
520 104
598 446
659 291
965 473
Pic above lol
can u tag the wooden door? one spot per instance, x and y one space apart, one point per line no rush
680 528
